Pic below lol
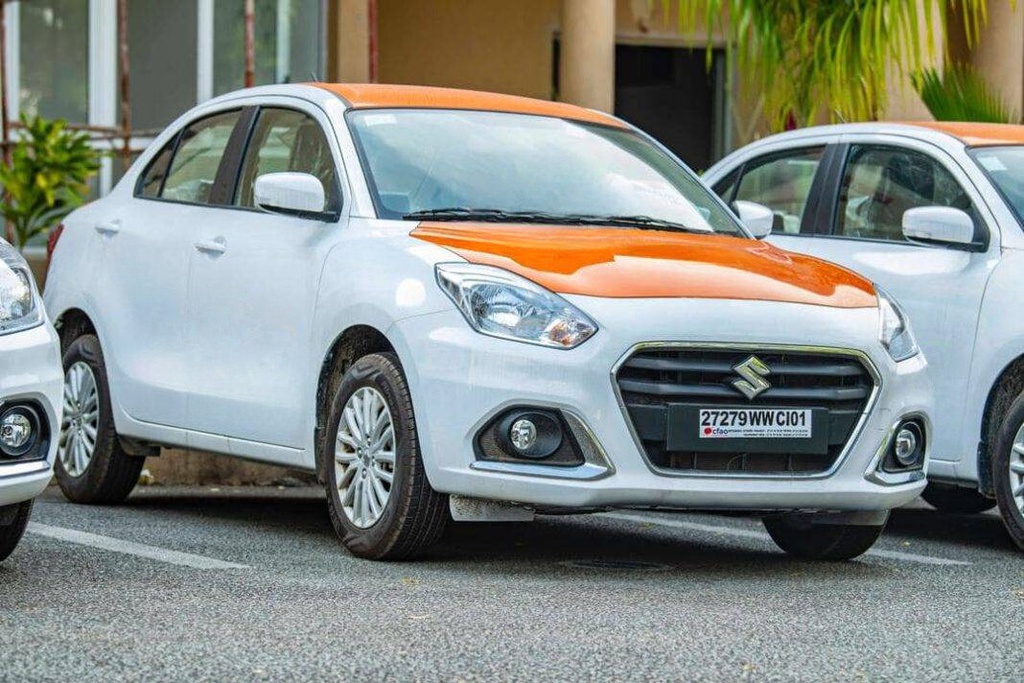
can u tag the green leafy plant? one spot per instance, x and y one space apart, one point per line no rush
46 177
810 56
960 93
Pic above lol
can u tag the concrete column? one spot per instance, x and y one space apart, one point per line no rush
587 68
348 37
999 52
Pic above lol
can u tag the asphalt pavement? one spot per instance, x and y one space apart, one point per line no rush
251 584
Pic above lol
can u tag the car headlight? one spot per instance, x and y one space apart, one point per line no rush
894 328
19 303
501 304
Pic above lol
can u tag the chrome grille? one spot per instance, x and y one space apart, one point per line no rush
652 379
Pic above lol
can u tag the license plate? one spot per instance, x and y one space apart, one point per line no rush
754 423
691 427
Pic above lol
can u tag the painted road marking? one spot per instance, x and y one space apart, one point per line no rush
763 536
138 549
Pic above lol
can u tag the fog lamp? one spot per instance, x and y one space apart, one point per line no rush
17 432
523 434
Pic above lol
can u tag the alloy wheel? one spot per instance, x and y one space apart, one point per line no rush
364 457
80 423
1017 470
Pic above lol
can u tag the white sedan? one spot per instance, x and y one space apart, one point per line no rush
934 213
458 303
30 397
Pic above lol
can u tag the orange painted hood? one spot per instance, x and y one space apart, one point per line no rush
627 263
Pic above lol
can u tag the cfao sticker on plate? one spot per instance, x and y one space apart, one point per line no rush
755 423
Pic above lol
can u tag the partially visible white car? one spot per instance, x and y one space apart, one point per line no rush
933 212
30 396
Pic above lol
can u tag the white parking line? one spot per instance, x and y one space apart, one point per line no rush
763 536
138 549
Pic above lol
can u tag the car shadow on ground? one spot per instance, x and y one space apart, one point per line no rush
302 515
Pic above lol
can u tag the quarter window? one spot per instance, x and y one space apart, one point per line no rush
881 183
193 170
782 182
287 140
153 179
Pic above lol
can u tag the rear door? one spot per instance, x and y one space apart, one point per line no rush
254 277
143 292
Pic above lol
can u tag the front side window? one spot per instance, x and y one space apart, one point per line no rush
286 140
880 184
782 182
524 168
193 169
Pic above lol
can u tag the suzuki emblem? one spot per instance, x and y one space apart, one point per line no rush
753 372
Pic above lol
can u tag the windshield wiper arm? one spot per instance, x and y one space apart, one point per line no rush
460 213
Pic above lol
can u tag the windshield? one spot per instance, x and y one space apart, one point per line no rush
1005 167
475 165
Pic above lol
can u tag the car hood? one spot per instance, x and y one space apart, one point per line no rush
632 263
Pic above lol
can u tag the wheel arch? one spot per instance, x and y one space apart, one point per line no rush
350 345
71 324
1007 386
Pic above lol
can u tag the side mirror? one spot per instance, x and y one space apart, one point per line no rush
942 224
297 194
757 217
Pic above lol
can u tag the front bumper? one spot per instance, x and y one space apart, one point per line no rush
31 370
460 380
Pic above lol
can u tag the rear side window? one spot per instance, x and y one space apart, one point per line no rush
152 182
782 182
193 169
287 140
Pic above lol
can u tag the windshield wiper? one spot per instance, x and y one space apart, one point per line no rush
461 213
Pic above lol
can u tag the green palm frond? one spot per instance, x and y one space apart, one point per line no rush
960 94
813 56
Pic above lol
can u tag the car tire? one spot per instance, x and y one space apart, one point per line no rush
12 531
957 499
92 466
799 536
376 518
1008 470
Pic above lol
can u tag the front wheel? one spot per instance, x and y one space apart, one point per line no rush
380 501
1008 470
800 537
13 520
956 500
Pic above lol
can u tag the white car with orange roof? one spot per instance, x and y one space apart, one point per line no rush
934 213
452 304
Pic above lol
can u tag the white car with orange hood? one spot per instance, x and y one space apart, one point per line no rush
461 305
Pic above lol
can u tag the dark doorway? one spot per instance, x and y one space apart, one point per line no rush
670 93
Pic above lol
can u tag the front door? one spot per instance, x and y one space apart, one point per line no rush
254 277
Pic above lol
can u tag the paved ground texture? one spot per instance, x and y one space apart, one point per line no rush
250 584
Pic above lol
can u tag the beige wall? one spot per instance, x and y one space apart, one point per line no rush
482 44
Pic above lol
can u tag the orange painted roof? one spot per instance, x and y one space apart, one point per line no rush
978 134
624 263
380 96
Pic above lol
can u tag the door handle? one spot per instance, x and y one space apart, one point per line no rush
214 247
111 228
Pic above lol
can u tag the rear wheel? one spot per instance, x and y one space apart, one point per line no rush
801 537
956 500
91 466
1008 470
13 520
380 501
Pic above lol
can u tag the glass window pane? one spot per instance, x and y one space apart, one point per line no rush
286 140
54 59
195 164
881 183
162 43
153 178
288 43
782 182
